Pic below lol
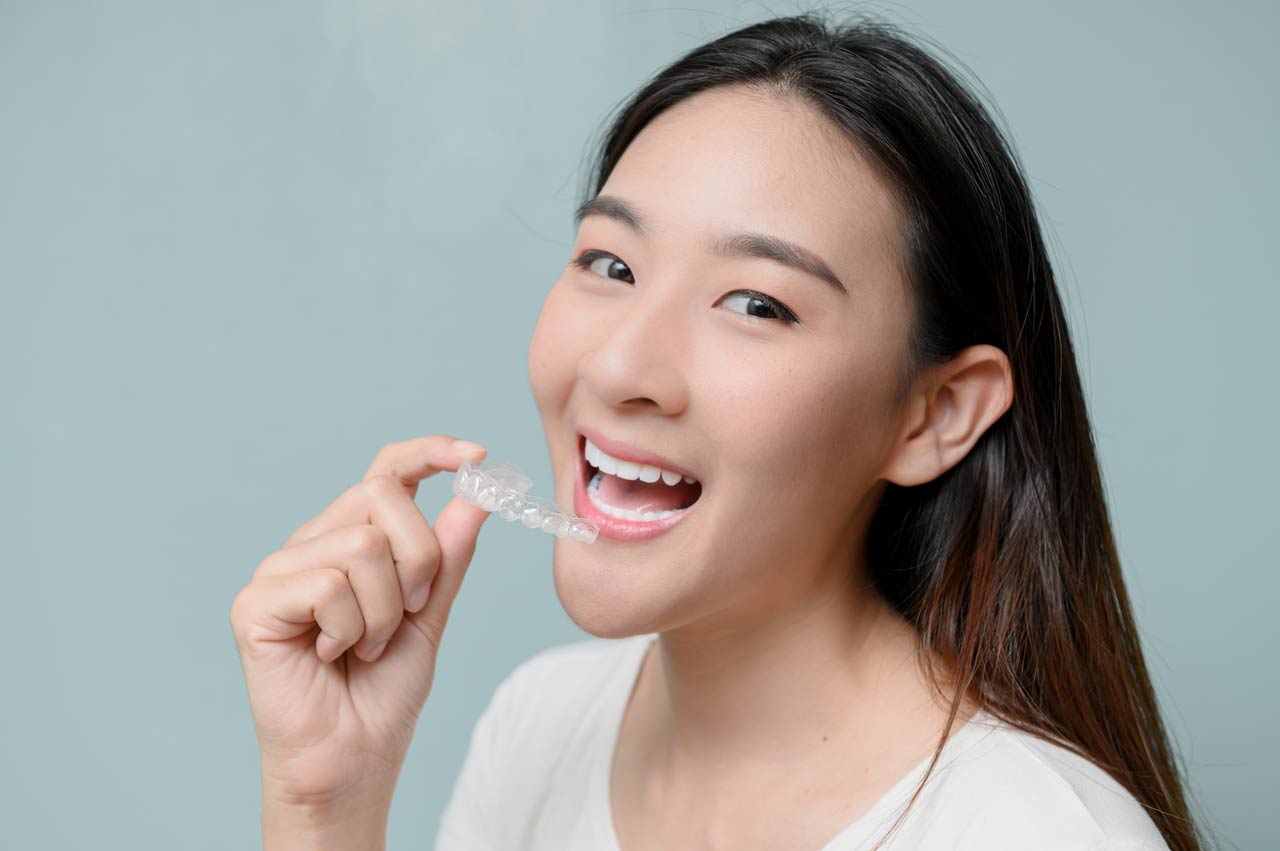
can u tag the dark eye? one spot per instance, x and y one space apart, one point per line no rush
588 259
760 306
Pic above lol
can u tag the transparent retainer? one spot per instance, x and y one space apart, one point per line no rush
500 486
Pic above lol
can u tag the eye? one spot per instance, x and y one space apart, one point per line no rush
763 307
588 259
760 306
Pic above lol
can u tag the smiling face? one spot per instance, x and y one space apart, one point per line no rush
661 340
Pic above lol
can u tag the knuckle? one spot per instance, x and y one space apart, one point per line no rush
367 542
265 565
423 557
330 583
238 610
382 486
386 450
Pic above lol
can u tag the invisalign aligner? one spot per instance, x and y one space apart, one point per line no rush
500 486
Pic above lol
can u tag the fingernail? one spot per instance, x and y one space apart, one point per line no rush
418 598
466 447
377 651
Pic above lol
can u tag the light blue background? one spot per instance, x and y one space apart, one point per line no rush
243 245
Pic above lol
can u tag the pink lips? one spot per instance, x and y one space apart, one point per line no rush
613 527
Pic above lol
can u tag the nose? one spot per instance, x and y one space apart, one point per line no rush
641 356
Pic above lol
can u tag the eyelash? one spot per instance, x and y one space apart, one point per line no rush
784 314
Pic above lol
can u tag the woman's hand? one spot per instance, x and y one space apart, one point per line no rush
338 630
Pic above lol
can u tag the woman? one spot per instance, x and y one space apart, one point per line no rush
877 603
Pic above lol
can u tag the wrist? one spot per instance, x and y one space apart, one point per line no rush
354 819
360 824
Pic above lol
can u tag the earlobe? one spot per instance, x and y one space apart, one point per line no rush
955 405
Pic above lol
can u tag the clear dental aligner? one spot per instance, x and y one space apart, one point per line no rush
500 486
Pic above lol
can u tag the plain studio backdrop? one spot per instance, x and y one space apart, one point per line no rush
244 245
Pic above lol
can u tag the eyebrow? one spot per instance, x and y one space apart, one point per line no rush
741 244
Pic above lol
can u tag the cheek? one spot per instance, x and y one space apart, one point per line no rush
851 432
780 402
552 361
803 423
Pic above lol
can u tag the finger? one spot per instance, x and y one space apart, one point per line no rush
414 550
406 462
279 608
363 555
456 529
419 458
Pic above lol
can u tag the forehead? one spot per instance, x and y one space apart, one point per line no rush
735 158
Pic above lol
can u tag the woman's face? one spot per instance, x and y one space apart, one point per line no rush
667 344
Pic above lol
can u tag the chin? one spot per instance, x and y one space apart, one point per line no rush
603 600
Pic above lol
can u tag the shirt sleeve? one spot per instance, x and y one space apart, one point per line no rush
471 821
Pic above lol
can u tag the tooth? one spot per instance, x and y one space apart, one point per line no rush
606 464
690 479
628 470
592 454
670 477
649 473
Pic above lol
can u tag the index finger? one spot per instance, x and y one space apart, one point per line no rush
411 461
407 462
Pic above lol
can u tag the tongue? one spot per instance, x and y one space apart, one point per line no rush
647 496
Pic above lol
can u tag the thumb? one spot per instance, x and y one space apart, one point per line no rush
456 529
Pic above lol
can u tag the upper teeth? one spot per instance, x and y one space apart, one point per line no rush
606 463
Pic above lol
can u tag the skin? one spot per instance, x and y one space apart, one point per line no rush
337 632
783 697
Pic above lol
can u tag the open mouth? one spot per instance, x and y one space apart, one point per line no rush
624 494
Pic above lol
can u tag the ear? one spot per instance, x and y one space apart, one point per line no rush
947 411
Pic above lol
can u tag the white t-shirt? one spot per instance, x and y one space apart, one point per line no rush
536 776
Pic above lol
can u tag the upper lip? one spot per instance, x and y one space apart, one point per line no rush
629 452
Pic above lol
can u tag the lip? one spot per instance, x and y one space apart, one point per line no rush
612 527
627 452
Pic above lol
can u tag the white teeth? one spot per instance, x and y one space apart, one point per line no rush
630 470
593 494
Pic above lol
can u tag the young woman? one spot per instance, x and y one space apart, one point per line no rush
871 597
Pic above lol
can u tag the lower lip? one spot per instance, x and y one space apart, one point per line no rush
616 528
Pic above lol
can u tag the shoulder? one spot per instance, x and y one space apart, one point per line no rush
1010 789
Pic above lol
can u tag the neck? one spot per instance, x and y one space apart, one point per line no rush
835 673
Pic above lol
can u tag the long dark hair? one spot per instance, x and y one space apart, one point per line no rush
1006 564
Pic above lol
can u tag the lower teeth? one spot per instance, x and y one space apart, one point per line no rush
593 489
